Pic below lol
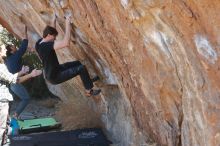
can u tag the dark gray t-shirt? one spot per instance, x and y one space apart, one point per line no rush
49 58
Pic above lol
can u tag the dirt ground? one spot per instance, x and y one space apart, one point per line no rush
72 115
37 108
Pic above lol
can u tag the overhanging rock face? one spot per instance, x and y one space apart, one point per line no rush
158 60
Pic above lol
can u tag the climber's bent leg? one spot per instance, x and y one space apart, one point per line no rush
70 70
84 75
69 65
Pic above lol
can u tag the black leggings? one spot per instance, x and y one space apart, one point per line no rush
71 69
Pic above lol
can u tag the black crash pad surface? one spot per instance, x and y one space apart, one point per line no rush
80 137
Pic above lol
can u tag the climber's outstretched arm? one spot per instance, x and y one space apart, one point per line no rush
66 40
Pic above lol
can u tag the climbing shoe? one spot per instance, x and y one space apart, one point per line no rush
96 78
93 92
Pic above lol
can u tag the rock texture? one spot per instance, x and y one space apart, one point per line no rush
158 60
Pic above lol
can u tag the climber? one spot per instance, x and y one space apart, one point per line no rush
14 64
57 73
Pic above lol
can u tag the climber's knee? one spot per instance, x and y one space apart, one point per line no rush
80 68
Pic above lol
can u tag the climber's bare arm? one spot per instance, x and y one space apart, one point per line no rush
66 40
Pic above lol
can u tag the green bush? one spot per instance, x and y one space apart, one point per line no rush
8 38
36 86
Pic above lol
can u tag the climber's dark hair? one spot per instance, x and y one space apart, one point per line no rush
49 30
8 52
